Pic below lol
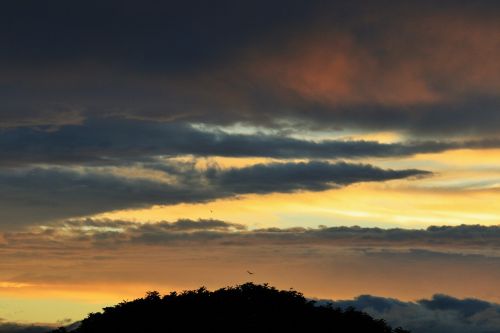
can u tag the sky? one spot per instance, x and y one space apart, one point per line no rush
341 148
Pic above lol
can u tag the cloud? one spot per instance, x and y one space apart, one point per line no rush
464 242
466 308
44 193
8 327
441 313
315 176
318 63
115 141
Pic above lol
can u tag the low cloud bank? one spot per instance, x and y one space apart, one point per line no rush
468 239
8 327
441 313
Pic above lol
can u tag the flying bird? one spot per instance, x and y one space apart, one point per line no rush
249 272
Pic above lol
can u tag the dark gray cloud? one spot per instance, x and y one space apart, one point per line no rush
315 176
115 141
169 37
441 313
40 194
466 308
30 195
9 327
321 63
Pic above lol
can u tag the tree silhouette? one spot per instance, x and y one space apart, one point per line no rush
244 308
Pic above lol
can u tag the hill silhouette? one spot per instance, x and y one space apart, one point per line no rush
244 308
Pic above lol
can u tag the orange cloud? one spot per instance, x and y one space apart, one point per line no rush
410 61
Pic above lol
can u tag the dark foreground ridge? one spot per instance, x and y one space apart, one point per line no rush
244 308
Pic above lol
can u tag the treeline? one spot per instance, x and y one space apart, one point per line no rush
244 308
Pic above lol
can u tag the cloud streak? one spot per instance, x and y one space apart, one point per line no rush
434 241
115 141
40 194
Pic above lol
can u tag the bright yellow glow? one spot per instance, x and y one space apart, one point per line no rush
364 204
8 284
382 137
464 189
465 158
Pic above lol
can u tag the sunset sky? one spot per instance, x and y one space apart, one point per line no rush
340 148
